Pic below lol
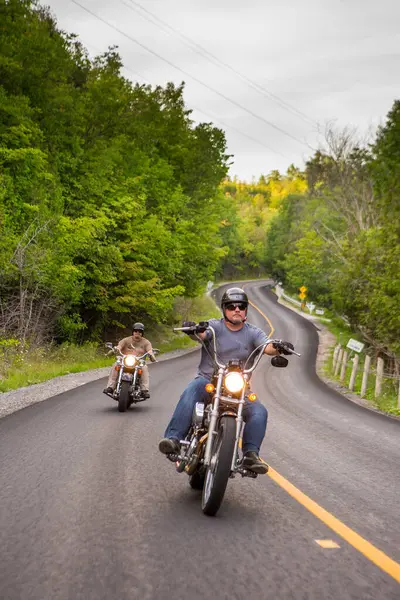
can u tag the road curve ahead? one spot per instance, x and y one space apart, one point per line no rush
90 510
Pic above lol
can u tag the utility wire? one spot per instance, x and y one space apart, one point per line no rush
214 59
189 75
200 110
218 120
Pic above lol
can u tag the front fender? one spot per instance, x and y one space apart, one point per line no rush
228 413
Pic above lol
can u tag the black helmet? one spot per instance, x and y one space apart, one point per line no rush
138 327
234 294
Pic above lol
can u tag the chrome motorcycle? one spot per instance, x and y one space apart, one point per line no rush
130 367
210 453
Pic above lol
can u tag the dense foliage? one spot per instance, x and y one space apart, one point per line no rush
342 239
109 199
250 209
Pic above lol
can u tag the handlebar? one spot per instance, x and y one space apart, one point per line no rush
118 352
261 348
202 324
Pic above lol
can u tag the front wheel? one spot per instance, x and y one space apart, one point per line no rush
219 470
123 400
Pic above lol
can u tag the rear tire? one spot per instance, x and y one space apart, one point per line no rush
218 472
123 400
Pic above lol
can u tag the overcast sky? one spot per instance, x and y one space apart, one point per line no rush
313 61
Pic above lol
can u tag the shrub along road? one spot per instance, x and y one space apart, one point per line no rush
90 509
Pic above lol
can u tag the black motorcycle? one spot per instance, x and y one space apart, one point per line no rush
210 453
129 367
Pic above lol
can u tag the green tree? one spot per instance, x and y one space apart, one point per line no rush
109 192
386 166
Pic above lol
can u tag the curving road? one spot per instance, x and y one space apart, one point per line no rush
89 509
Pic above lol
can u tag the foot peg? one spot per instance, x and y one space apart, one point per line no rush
246 473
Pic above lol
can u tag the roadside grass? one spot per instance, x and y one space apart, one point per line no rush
23 366
30 366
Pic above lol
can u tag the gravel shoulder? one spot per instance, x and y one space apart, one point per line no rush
15 400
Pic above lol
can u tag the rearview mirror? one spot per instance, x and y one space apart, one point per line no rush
156 350
279 361
109 345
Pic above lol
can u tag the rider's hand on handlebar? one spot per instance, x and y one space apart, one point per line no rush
191 324
202 326
280 346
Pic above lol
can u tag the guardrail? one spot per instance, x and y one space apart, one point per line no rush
310 305
292 300
342 360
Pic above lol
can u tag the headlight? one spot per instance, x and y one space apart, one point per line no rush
130 360
234 382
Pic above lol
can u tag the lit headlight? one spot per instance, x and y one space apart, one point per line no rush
234 382
130 360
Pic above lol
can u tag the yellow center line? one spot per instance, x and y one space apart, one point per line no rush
263 315
379 558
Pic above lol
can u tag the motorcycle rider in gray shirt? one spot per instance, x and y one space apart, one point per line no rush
236 339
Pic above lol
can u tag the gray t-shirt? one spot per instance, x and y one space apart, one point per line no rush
230 345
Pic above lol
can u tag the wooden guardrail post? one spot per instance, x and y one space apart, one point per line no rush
335 357
344 363
364 383
379 377
354 372
339 360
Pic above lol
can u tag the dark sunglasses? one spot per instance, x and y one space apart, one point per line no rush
233 305
138 331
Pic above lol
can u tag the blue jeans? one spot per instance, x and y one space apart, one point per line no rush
255 416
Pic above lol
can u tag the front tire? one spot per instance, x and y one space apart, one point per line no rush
123 400
219 470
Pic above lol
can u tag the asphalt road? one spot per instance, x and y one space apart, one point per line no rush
89 509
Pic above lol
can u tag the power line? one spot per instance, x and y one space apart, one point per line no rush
213 119
218 120
214 59
189 75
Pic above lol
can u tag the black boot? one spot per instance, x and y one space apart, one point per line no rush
169 446
253 462
108 390
145 394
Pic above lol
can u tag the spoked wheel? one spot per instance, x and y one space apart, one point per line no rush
123 399
219 470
